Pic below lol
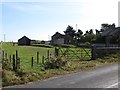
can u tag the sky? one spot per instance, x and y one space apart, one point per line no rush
40 19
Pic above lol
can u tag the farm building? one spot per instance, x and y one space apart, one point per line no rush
108 34
24 41
68 39
58 39
33 42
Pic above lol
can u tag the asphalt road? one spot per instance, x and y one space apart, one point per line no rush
103 77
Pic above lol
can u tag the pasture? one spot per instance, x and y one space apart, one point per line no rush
26 53
38 72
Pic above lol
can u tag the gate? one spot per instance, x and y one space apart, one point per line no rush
76 53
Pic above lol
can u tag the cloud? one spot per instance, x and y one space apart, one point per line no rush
54 7
27 7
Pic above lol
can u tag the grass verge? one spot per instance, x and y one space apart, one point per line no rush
13 78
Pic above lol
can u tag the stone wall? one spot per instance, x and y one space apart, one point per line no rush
98 52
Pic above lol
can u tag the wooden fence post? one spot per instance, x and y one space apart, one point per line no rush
37 57
16 54
3 55
93 52
48 55
10 58
18 63
32 62
56 52
42 59
17 60
14 63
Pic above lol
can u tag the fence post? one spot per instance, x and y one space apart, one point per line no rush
6 56
18 63
42 59
2 55
37 57
56 52
16 54
17 60
93 52
14 63
32 62
48 55
10 58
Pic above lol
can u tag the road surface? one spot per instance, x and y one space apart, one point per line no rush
103 77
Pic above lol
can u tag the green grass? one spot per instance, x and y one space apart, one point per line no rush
27 73
76 53
26 53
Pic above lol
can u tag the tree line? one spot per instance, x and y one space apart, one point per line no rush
89 36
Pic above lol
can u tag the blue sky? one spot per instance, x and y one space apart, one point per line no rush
40 20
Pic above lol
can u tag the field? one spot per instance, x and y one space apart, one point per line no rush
26 53
38 72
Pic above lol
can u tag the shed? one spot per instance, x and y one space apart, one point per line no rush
24 41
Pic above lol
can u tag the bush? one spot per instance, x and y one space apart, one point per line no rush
55 62
42 42
6 65
87 43
9 78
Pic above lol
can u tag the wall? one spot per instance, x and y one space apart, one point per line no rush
98 52
58 41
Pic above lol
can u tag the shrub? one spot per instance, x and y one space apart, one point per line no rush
87 43
42 42
9 78
55 62
6 65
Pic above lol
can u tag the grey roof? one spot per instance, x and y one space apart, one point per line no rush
24 37
58 35
111 32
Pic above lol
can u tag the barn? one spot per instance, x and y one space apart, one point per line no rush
58 39
24 41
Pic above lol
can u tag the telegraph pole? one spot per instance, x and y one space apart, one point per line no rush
76 27
48 37
4 38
